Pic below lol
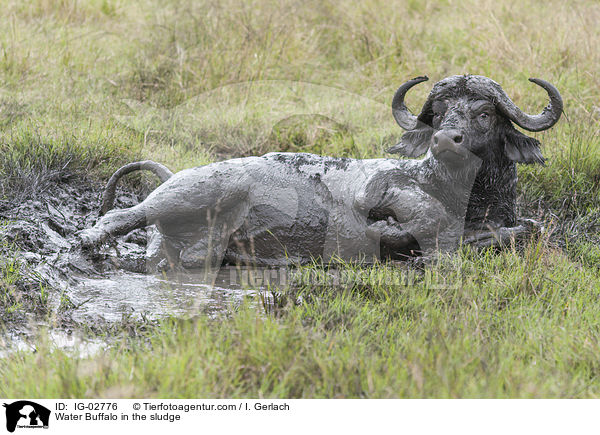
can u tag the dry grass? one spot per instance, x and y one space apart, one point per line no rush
89 85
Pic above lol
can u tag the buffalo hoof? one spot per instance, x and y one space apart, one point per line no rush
503 236
390 234
90 238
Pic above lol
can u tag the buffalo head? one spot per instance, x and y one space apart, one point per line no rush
472 114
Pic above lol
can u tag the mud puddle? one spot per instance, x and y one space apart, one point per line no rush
120 294
38 236
27 339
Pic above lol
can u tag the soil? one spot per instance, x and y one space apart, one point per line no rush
71 290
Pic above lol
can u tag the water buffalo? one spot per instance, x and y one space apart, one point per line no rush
285 208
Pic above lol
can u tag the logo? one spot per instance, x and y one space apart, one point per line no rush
26 414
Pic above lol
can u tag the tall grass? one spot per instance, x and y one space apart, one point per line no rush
515 326
88 85
72 63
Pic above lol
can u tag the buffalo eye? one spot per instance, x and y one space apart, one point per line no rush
484 119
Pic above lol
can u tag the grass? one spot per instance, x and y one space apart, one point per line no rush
515 326
10 300
89 85
19 296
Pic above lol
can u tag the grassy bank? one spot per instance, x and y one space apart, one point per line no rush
88 85
510 325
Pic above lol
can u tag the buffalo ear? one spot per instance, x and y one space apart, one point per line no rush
522 149
413 143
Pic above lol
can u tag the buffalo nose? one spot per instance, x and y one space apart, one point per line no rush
452 135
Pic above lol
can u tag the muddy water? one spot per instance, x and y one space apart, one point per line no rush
122 294
101 287
27 338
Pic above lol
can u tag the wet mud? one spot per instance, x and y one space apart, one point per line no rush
60 285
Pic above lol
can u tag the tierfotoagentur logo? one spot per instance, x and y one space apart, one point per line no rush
25 414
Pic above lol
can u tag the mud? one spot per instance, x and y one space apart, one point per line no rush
40 233
23 338
80 290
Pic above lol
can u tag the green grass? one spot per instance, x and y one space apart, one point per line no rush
10 300
19 296
515 326
88 85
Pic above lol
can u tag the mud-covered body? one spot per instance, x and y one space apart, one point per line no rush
285 208
276 209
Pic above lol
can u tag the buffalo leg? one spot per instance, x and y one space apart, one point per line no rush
207 251
502 236
114 223
390 234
